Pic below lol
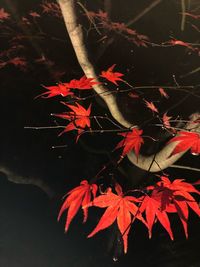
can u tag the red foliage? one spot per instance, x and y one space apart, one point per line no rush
175 42
167 197
152 209
51 8
119 28
34 14
120 208
79 118
77 197
132 140
186 140
112 76
60 89
163 93
3 14
166 120
151 106
82 84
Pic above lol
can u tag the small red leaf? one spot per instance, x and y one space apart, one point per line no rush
151 106
60 89
83 84
79 117
3 14
132 140
77 197
166 120
112 76
163 93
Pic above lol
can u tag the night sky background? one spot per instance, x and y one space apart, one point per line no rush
29 232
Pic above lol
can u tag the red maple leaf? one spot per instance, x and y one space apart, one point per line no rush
3 14
79 117
194 16
59 89
18 62
152 208
163 93
83 83
34 14
51 8
175 42
166 120
133 95
112 76
175 197
120 208
77 197
151 106
132 140
186 140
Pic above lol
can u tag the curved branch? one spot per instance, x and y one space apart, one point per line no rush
75 31
162 159
19 179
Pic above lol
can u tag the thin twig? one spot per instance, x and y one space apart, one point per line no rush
184 167
144 12
183 9
44 127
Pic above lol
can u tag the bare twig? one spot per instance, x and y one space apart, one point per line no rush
183 10
191 72
144 12
185 167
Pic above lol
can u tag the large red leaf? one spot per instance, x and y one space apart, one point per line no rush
152 208
120 208
172 197
77 197
186 140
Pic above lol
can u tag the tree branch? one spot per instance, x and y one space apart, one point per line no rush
157 162
19 179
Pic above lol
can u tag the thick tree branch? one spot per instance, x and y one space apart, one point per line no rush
76 35
157 162
19 179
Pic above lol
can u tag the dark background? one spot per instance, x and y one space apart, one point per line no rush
29 233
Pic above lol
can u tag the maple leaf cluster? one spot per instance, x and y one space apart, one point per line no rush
161 199
169 197
79 117
51 8
64 89
118 28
